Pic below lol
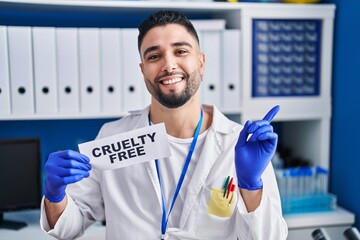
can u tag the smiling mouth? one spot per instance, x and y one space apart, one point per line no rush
171 81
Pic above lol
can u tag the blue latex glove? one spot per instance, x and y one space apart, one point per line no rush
254 154
61 169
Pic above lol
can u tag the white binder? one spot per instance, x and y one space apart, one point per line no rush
110 44
211 85
89 46
21 70
67 53
133 83
231 70
45 70
5 107
208 24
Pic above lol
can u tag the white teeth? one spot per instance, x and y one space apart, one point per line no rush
172 81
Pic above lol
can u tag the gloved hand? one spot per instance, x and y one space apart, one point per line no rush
61 169
254 154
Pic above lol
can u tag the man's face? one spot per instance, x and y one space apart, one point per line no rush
172 64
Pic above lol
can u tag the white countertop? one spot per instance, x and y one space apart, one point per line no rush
320 219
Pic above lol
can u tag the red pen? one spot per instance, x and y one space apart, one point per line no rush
232 193
229 187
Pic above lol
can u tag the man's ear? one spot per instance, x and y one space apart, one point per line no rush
141 65
202 63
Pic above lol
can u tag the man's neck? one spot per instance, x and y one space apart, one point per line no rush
180 122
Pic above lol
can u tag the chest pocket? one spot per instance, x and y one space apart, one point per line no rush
215 219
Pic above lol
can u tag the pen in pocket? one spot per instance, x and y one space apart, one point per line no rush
229 187
226 185
232 189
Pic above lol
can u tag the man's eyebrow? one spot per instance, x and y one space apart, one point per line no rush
150 49
177 44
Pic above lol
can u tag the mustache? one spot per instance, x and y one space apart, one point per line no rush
167 74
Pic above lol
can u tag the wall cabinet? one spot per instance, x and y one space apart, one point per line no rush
283 57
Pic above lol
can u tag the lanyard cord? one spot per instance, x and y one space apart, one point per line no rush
165 218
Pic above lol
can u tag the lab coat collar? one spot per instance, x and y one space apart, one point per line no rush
143 117
220 122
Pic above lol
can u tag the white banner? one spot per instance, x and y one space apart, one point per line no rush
125 149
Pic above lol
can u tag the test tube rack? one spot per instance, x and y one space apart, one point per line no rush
304 190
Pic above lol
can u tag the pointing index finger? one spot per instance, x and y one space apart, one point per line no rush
271 114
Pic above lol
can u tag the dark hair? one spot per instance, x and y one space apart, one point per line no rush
163 18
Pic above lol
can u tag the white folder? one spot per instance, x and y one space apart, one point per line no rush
67 53
89 58
21 69
133 84
5 107
208 24
211 85
45 70
231 70
110 48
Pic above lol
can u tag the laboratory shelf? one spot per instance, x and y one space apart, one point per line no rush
97 115
62 116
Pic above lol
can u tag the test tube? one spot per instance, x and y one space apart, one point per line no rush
288 191
301 176
322 179
281 181
308 181
286 182
293 183
313 181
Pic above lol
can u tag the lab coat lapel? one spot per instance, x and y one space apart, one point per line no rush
202 169
150 166
210 153
151 169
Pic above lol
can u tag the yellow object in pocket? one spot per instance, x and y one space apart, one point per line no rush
219 205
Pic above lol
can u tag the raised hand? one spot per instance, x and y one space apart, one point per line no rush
255 148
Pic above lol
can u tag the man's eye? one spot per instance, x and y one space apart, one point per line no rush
181 51
153 57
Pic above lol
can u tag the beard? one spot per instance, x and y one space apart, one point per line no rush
174 99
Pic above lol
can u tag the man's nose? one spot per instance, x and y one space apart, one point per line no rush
169 64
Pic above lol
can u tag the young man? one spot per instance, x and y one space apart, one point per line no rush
218 183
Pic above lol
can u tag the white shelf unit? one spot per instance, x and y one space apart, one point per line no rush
305 120
307 107
237 16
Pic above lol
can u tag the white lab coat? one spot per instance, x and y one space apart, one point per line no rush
130 199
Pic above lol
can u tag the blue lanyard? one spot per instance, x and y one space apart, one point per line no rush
165 218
